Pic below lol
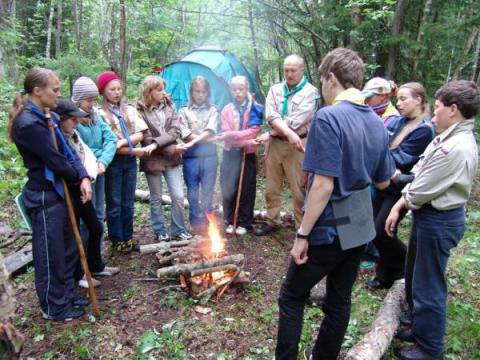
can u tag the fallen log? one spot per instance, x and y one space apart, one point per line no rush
163 245
144 196
178 269
19 259
376 341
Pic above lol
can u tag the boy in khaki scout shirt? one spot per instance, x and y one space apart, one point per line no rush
437 197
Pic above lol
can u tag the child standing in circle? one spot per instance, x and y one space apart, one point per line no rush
121 175
70 114
54 252
98 136
199 122
241 121
163 157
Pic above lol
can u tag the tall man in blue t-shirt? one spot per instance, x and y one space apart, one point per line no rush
347 151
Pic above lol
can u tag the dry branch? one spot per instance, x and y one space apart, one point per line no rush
178 269
376 341
164 245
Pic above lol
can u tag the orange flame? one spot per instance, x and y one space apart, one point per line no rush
218 244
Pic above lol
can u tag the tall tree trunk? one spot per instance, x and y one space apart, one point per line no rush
467 48
476 59
8 47
49 30
255 49
397 28
76 15
59 29
421 32
123 45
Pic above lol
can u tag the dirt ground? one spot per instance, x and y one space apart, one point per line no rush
242 323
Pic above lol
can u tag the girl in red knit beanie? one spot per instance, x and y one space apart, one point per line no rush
121 175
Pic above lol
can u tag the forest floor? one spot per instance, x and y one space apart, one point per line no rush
139 321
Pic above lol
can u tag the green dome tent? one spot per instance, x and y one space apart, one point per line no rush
217 65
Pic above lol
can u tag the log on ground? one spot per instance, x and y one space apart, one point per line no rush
176 270
153 248
376 341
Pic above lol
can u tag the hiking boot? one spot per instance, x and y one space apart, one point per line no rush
414 352
405 334
84 283
376 284
108 271
406 318
264 229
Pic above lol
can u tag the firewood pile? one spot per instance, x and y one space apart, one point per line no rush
202 265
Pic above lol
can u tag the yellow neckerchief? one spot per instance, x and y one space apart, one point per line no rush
351 94
390 111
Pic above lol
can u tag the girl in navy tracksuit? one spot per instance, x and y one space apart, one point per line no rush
54 251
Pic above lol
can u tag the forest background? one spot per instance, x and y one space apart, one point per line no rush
424 40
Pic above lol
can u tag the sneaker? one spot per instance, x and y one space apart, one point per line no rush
71 314
184 236
240 230
84 284
229 229
108 271
81 301
163 237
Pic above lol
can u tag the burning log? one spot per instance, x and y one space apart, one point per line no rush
178 269
220 287
227 267
376 341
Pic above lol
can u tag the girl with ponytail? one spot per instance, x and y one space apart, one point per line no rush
54 249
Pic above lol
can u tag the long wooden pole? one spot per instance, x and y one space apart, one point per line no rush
239 193
76 233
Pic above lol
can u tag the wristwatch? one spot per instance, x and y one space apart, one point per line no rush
301 236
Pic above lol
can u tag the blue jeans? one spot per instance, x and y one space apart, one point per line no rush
98 201
200 174
120 183
173 177
434 234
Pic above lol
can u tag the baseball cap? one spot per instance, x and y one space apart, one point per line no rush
68 108
376 86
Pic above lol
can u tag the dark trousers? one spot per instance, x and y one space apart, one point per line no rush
54 251
229 180
87 213
391 262
200 173
120 183
434 234
341 268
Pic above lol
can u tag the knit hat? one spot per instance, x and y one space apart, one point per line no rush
104 78
83 88
377 86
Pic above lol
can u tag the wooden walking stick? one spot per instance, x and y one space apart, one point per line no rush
76 233
239 193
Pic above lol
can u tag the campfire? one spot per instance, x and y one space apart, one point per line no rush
204 267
